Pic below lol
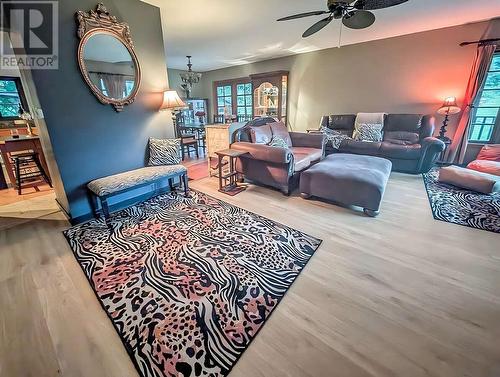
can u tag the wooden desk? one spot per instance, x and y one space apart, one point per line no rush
23 143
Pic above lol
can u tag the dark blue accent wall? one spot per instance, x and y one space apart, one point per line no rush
89 139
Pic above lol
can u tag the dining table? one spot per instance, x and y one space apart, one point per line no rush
10 144
193 127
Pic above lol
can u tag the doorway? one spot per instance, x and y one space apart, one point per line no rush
30 186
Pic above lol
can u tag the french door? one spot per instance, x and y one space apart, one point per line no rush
233 97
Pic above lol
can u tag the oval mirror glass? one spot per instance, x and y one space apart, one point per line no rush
110 66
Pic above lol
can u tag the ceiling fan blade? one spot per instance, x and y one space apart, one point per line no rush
358 19
377 4
300 15
317 26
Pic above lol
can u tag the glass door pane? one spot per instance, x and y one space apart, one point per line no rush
224 100
244 100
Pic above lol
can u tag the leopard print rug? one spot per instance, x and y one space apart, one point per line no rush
463 207
188 282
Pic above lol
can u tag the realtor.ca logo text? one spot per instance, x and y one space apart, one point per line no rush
30 37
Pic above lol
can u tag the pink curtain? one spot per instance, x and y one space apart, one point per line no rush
477 77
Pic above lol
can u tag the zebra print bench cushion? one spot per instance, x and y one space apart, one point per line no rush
123 181
164 152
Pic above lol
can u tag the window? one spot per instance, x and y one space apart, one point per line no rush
485 115
234 97
129 86
244 99
11 98
224 99
103 88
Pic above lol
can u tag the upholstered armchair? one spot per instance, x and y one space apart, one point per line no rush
275 166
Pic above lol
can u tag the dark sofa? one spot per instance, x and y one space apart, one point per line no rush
276 167
407 141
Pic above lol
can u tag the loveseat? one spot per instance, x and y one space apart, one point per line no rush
407 141
274 166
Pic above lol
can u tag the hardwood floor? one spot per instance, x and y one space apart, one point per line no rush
400 295
197 168
9 196
27 209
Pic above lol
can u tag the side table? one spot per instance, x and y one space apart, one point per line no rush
441 160
228 180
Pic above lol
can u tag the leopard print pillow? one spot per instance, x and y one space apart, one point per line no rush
368 132
278 142
334 137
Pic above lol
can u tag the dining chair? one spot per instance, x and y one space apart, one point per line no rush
202 139
244 118
218 119
28 170
188 139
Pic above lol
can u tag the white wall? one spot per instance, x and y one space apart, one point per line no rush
175 82
407 74
14 72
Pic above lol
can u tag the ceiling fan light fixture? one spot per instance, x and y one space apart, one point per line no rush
381 4
360 4
358 19
355 14
338 13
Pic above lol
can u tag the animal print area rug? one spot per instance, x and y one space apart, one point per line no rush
463 207
188 282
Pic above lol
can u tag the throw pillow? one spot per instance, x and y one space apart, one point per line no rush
164 152
490 152
278 142
261 134
368 132
279 130
333 137
485 166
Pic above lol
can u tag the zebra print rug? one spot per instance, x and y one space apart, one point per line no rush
460 206
188 282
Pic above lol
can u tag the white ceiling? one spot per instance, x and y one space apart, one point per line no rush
222 33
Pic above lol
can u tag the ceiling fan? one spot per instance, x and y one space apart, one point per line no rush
355 14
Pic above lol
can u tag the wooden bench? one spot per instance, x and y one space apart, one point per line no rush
106 187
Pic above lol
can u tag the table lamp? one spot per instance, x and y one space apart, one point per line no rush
172 102
200 115
448 108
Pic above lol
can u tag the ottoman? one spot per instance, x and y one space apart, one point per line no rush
348 179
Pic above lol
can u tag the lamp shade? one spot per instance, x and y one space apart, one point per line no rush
171 100
449 107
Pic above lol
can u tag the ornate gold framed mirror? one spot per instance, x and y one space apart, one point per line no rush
106 57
